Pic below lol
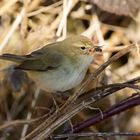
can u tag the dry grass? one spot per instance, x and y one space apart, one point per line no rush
28 25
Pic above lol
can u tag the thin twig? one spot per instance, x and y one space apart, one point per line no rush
29 115
44 9
128 103
94 75
12 29
75 108
98 134
61 116
22 122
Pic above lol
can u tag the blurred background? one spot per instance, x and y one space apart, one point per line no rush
26 25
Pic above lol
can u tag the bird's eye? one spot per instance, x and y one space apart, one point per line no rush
83 48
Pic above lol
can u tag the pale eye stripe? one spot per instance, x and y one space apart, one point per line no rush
82 45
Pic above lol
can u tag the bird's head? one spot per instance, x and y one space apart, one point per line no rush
80 45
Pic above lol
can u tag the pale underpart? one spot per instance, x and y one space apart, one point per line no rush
64 77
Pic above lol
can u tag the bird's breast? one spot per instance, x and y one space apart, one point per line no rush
63 78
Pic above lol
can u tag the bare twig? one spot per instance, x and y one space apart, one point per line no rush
12 30
125 104
22 122
44 9
75 108
94 75
61 116
29 115
97 134
67 6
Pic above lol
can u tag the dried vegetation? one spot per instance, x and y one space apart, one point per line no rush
29 113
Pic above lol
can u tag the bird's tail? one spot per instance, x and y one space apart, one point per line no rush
13 57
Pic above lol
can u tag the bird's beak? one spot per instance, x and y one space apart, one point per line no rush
96 49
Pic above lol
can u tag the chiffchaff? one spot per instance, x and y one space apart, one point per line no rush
59 66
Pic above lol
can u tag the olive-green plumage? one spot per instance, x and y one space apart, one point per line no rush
58 66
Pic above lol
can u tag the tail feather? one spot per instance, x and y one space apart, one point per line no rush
13 57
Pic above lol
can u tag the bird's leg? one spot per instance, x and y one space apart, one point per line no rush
55 100
61 97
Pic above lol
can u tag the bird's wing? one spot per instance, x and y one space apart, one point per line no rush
46 58
14 58
43 60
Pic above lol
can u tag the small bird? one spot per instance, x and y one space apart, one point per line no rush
59 66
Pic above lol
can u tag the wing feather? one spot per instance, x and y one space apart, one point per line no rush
43 60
